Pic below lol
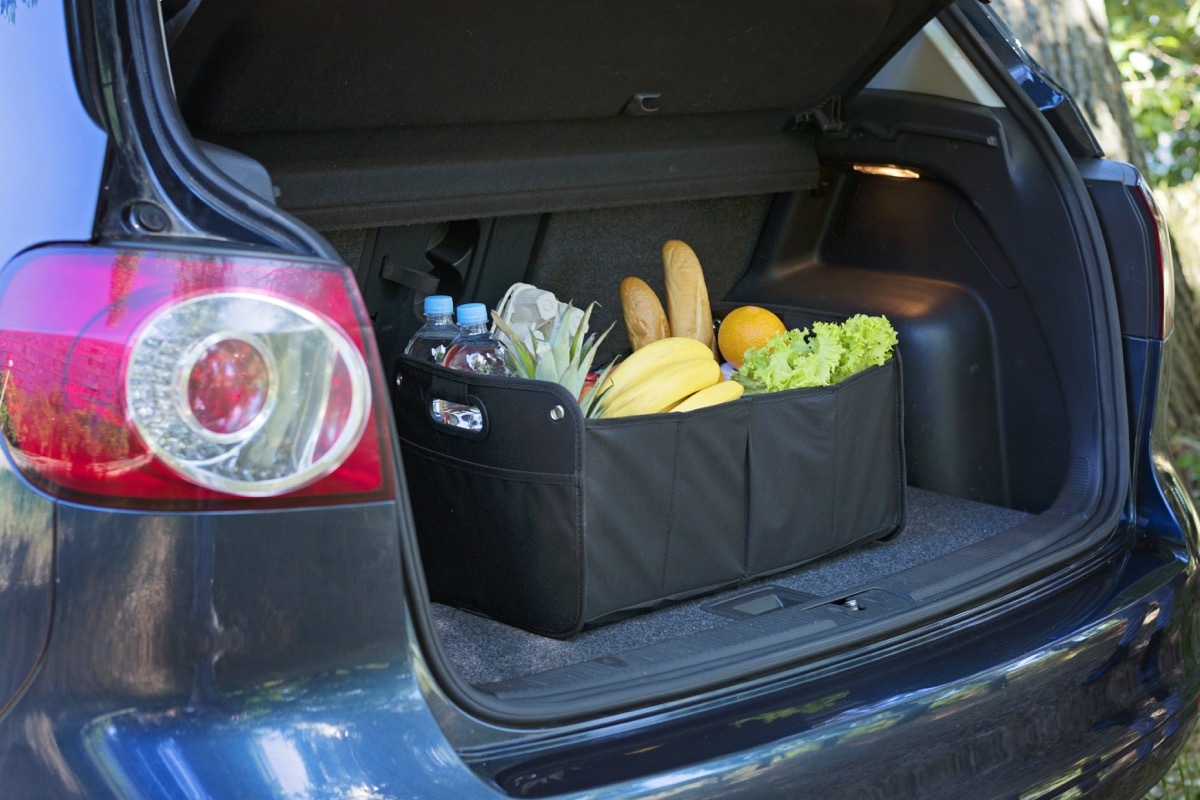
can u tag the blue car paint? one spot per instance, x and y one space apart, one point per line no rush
1011 703
215 632
1084 687
54 156
1044 92
26 580
365 733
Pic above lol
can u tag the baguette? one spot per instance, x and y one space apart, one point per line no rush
645 319
687 296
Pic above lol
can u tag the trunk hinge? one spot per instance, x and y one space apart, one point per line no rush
827 116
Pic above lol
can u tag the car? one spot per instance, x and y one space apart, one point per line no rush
240 558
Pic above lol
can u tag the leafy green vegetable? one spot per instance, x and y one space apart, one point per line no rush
828 355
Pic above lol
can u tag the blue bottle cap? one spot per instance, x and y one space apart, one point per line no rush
439 304
472 313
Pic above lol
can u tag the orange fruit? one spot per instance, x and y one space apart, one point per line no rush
743 328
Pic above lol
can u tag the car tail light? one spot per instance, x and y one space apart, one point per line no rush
152 379
1161 236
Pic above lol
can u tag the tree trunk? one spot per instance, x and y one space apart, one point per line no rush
1069 38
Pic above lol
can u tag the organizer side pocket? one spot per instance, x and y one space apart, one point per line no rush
868 458
502 543
499 517
708 534
665 506
791 482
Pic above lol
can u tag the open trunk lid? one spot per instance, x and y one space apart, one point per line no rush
461 147
513 108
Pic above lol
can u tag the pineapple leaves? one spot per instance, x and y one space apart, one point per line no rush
563 356
520 359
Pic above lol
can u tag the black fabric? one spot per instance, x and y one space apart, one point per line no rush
275 65
389 113
553 524
581 253
498 518
350 178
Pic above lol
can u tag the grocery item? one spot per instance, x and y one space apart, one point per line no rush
475 349
687 295
721 392
560 350
663 388
828 355
652 357
430 341
526 309
745 328
645 319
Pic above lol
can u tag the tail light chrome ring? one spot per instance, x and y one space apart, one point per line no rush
291 392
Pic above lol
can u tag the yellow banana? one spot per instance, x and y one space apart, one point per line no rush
721 392
666 387
649 359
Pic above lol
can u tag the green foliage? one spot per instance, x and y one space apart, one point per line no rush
1183 781
1185 449
1157 47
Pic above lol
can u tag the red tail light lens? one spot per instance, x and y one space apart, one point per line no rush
152 378
228 385
1166 259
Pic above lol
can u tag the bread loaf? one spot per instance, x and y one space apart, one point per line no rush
645 319
687 296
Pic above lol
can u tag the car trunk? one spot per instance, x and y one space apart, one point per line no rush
461 148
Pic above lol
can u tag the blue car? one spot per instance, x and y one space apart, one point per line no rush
246 551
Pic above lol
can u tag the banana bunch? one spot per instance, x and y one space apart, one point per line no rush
673 374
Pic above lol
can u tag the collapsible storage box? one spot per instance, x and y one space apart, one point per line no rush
549 521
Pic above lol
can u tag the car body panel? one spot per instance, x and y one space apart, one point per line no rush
1046 709
1055 103
53 160
1007 701
26 579
190 612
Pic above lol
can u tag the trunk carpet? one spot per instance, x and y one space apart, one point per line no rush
484 651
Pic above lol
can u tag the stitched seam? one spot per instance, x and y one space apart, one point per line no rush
662 580
746 495
833 487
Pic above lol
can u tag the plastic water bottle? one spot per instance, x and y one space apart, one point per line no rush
432 339
475 349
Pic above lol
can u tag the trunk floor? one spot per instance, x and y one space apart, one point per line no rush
483 650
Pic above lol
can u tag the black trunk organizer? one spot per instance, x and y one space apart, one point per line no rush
552 522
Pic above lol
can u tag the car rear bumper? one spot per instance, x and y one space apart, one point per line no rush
1090 686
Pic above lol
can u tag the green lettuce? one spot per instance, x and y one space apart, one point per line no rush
828 354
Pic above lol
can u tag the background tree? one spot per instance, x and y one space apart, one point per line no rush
1158 44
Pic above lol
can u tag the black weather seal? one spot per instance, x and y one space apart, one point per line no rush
1102 501
176 17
